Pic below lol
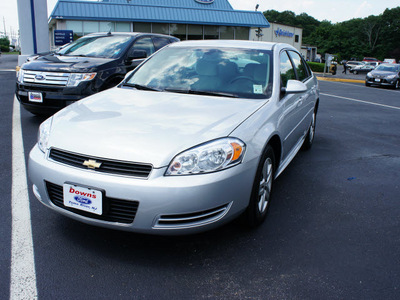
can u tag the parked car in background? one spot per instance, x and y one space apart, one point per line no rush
363 68
384 75
352 63
371 59
93 63
389 60
191 139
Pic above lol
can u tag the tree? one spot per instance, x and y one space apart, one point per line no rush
5 44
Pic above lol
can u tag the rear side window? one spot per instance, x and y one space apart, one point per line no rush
299 65
145 44
160 42
287 71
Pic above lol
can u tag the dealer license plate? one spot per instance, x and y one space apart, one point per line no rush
35 97
377 79
83 198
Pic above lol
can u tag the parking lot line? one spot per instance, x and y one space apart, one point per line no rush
361 101
23 276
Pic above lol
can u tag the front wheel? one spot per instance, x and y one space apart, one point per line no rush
262 187
311 133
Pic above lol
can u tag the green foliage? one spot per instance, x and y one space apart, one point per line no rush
316 67
376 36
4 44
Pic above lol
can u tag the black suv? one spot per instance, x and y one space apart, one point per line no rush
93 63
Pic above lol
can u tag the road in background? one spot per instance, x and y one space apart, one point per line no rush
332 232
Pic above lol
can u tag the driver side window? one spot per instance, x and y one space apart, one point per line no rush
286 69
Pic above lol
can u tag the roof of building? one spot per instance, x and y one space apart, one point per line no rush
217 12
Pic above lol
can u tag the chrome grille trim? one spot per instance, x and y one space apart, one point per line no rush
49 78
140 170
191 220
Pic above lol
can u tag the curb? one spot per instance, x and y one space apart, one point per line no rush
340 79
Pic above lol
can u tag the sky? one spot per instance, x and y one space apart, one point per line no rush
331 10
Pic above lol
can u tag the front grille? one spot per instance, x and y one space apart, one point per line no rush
114 210
192 219
106 166
50 78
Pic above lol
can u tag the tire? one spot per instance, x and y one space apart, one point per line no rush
355 72
260 199
308 142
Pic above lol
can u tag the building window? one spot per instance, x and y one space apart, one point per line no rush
76 27
142 27
178 30
241 33
296 38
195 32
106 26
160 28
211 32
226 33
90 27
122 27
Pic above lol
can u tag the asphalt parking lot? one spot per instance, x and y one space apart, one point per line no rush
333 230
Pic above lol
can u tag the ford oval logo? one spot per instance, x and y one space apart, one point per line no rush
82 200
40 77
205 1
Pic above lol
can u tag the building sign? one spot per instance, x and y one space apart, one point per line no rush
62 37
205 1
281 32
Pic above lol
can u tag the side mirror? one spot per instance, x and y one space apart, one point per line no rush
137 54
294 87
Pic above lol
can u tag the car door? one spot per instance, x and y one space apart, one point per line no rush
305 104
290 117
142 44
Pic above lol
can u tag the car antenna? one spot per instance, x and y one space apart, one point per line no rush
109 32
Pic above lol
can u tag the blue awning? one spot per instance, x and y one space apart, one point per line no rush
218 12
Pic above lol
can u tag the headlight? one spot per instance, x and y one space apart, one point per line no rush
209 157
391 76
369 74
77 78
20 76
44 134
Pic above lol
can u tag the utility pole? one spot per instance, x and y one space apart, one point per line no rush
4 24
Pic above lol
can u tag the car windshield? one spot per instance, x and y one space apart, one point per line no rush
97 46
230 72
388 68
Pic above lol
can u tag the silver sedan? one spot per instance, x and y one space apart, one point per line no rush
192 139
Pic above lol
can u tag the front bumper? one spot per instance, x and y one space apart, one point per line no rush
54 97
381 81
164 204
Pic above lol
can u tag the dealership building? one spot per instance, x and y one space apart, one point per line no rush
185 19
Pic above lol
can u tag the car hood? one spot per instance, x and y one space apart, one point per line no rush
57 63
146 126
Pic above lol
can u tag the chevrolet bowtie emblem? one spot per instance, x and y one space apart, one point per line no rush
91 164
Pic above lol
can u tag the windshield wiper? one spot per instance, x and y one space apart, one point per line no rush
141 87
207 93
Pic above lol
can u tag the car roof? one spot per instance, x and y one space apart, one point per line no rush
132 34
233 44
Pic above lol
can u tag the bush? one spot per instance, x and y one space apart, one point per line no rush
316 67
